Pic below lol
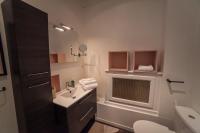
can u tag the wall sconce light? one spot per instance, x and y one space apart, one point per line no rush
66 27
81 52
58 28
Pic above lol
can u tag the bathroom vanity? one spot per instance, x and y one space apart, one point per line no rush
74 111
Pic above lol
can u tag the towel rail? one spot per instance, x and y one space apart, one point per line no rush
174 81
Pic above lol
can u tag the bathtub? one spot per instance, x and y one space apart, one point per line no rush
123 116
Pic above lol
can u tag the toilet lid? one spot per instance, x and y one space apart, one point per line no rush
144 126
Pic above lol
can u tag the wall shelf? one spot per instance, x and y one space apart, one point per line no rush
136 73
145 58
149 60
61 58
57 58
118 60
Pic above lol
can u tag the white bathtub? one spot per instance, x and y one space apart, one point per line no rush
122 116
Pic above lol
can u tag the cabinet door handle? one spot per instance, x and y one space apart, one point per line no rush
38 85
86 114
85 99
37 74
3 89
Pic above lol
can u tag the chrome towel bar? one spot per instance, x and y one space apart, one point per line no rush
173 81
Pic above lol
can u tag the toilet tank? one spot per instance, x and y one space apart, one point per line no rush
186 120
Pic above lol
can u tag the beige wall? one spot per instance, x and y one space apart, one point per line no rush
125 25
68 13
120 25
8 122
194 56
176 67
166 25
182 50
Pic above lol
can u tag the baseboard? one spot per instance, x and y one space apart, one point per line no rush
130 129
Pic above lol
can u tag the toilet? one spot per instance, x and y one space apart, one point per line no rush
186 121
144 126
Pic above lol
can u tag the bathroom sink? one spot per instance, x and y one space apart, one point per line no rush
74 92
66 98
68 95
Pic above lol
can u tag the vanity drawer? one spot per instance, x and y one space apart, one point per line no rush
37 93
88 109
88 102
79 114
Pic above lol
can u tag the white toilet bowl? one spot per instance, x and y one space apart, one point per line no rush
144 126
186 121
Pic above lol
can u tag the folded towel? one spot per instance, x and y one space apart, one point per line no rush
87 82
145 68
90 86
87 79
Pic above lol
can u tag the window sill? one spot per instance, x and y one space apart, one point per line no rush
156 74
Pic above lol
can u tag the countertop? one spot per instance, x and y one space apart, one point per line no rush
66 102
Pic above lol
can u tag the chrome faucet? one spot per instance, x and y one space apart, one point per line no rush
70 84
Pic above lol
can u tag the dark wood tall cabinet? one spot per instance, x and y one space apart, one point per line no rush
28 44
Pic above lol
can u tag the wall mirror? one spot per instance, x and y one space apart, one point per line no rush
2 60
83 48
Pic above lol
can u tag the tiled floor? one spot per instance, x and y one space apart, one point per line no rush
102 128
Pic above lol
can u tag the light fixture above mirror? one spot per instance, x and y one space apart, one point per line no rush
66 27
58 28
62 28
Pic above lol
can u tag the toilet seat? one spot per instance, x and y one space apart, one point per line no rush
143 126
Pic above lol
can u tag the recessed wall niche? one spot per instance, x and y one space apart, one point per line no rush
145 58
118 61
143 61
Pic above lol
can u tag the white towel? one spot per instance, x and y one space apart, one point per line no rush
87 82
145 68
87 79
90 86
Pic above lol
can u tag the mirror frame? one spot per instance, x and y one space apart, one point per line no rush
85 48
2 59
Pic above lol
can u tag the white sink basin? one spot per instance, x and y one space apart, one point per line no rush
66 99
68 95
73 92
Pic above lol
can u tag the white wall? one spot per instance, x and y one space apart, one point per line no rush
8 122
176 67
169 25
194 55
182 50
120 25
126 25
67 12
